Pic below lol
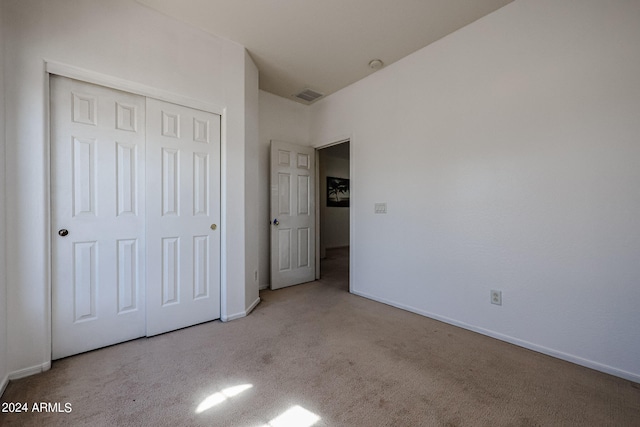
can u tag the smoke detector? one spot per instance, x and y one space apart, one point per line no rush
309 95
375 64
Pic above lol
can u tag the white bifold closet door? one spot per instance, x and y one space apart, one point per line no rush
183 214
97 216
134 201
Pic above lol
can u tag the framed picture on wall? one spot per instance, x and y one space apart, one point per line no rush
337 192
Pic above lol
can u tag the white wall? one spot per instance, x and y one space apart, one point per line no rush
3 283
252 240
123 39
282 120
508 155
334 221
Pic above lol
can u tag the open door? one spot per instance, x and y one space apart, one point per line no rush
292 214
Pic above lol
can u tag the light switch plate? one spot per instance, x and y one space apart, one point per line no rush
380 208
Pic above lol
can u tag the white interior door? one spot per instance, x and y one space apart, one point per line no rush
183 216
98 213
292 214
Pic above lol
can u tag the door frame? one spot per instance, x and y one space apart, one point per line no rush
88 76
336 141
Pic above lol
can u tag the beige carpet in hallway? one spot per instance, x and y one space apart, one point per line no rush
328 354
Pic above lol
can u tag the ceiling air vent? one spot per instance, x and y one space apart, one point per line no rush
308 95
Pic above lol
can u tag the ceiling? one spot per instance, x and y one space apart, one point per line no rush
325 45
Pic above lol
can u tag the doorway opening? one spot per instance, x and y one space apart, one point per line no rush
334 214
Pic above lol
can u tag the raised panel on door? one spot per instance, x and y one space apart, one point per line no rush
127 182
200 184
292 214
98 270
170 271
83 168
183 256
129 280
284 249
201 267
84 281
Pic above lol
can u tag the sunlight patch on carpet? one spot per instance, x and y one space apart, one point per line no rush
219 397
295 416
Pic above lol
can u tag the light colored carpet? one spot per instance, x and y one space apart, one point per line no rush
348 360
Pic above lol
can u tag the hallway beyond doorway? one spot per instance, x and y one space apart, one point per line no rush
334 269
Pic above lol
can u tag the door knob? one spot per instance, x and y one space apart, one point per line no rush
276 222
63 232
213 226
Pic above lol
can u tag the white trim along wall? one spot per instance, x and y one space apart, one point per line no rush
3 283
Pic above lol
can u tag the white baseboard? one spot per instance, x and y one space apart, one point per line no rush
516 341
29 371
4 384
23 373
252 306
241 314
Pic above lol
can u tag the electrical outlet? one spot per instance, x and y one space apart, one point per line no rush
496 297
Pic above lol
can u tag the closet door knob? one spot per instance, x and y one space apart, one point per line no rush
63 232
